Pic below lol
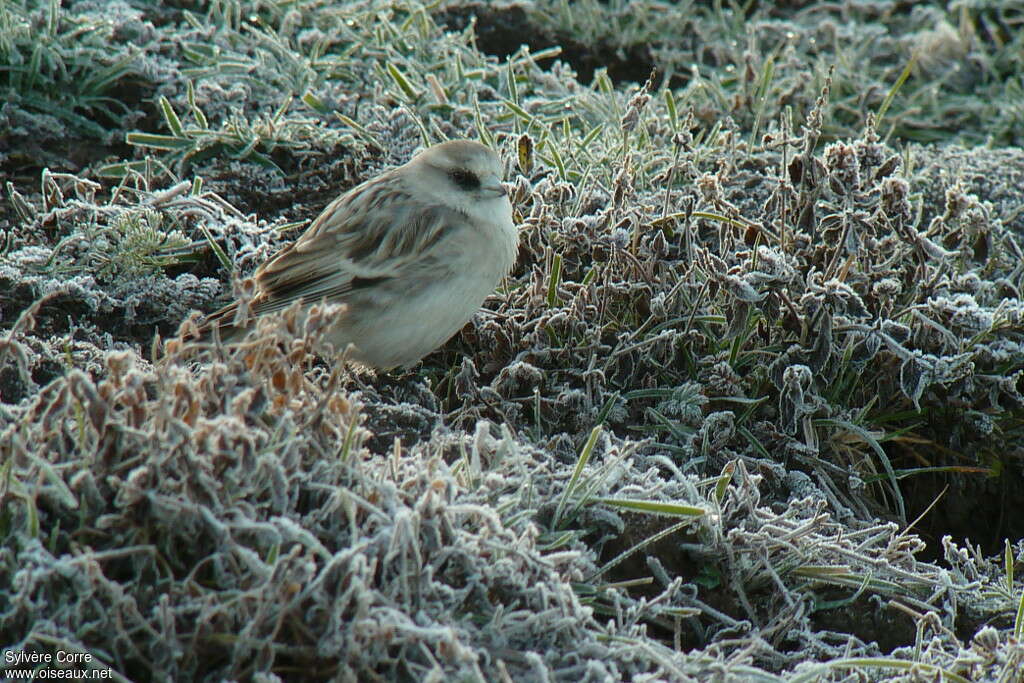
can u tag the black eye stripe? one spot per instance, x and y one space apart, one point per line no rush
467 180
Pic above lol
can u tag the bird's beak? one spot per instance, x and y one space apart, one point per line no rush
493 186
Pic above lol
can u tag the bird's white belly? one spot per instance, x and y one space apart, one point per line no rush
416 321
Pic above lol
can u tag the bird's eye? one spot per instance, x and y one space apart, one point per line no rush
467 180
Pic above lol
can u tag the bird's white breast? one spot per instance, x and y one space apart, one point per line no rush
429 307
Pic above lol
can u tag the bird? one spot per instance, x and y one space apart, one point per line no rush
411 253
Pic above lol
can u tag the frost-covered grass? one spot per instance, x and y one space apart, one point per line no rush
702 430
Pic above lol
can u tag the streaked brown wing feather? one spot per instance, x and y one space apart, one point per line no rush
371 233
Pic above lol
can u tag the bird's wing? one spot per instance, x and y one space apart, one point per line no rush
369 234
